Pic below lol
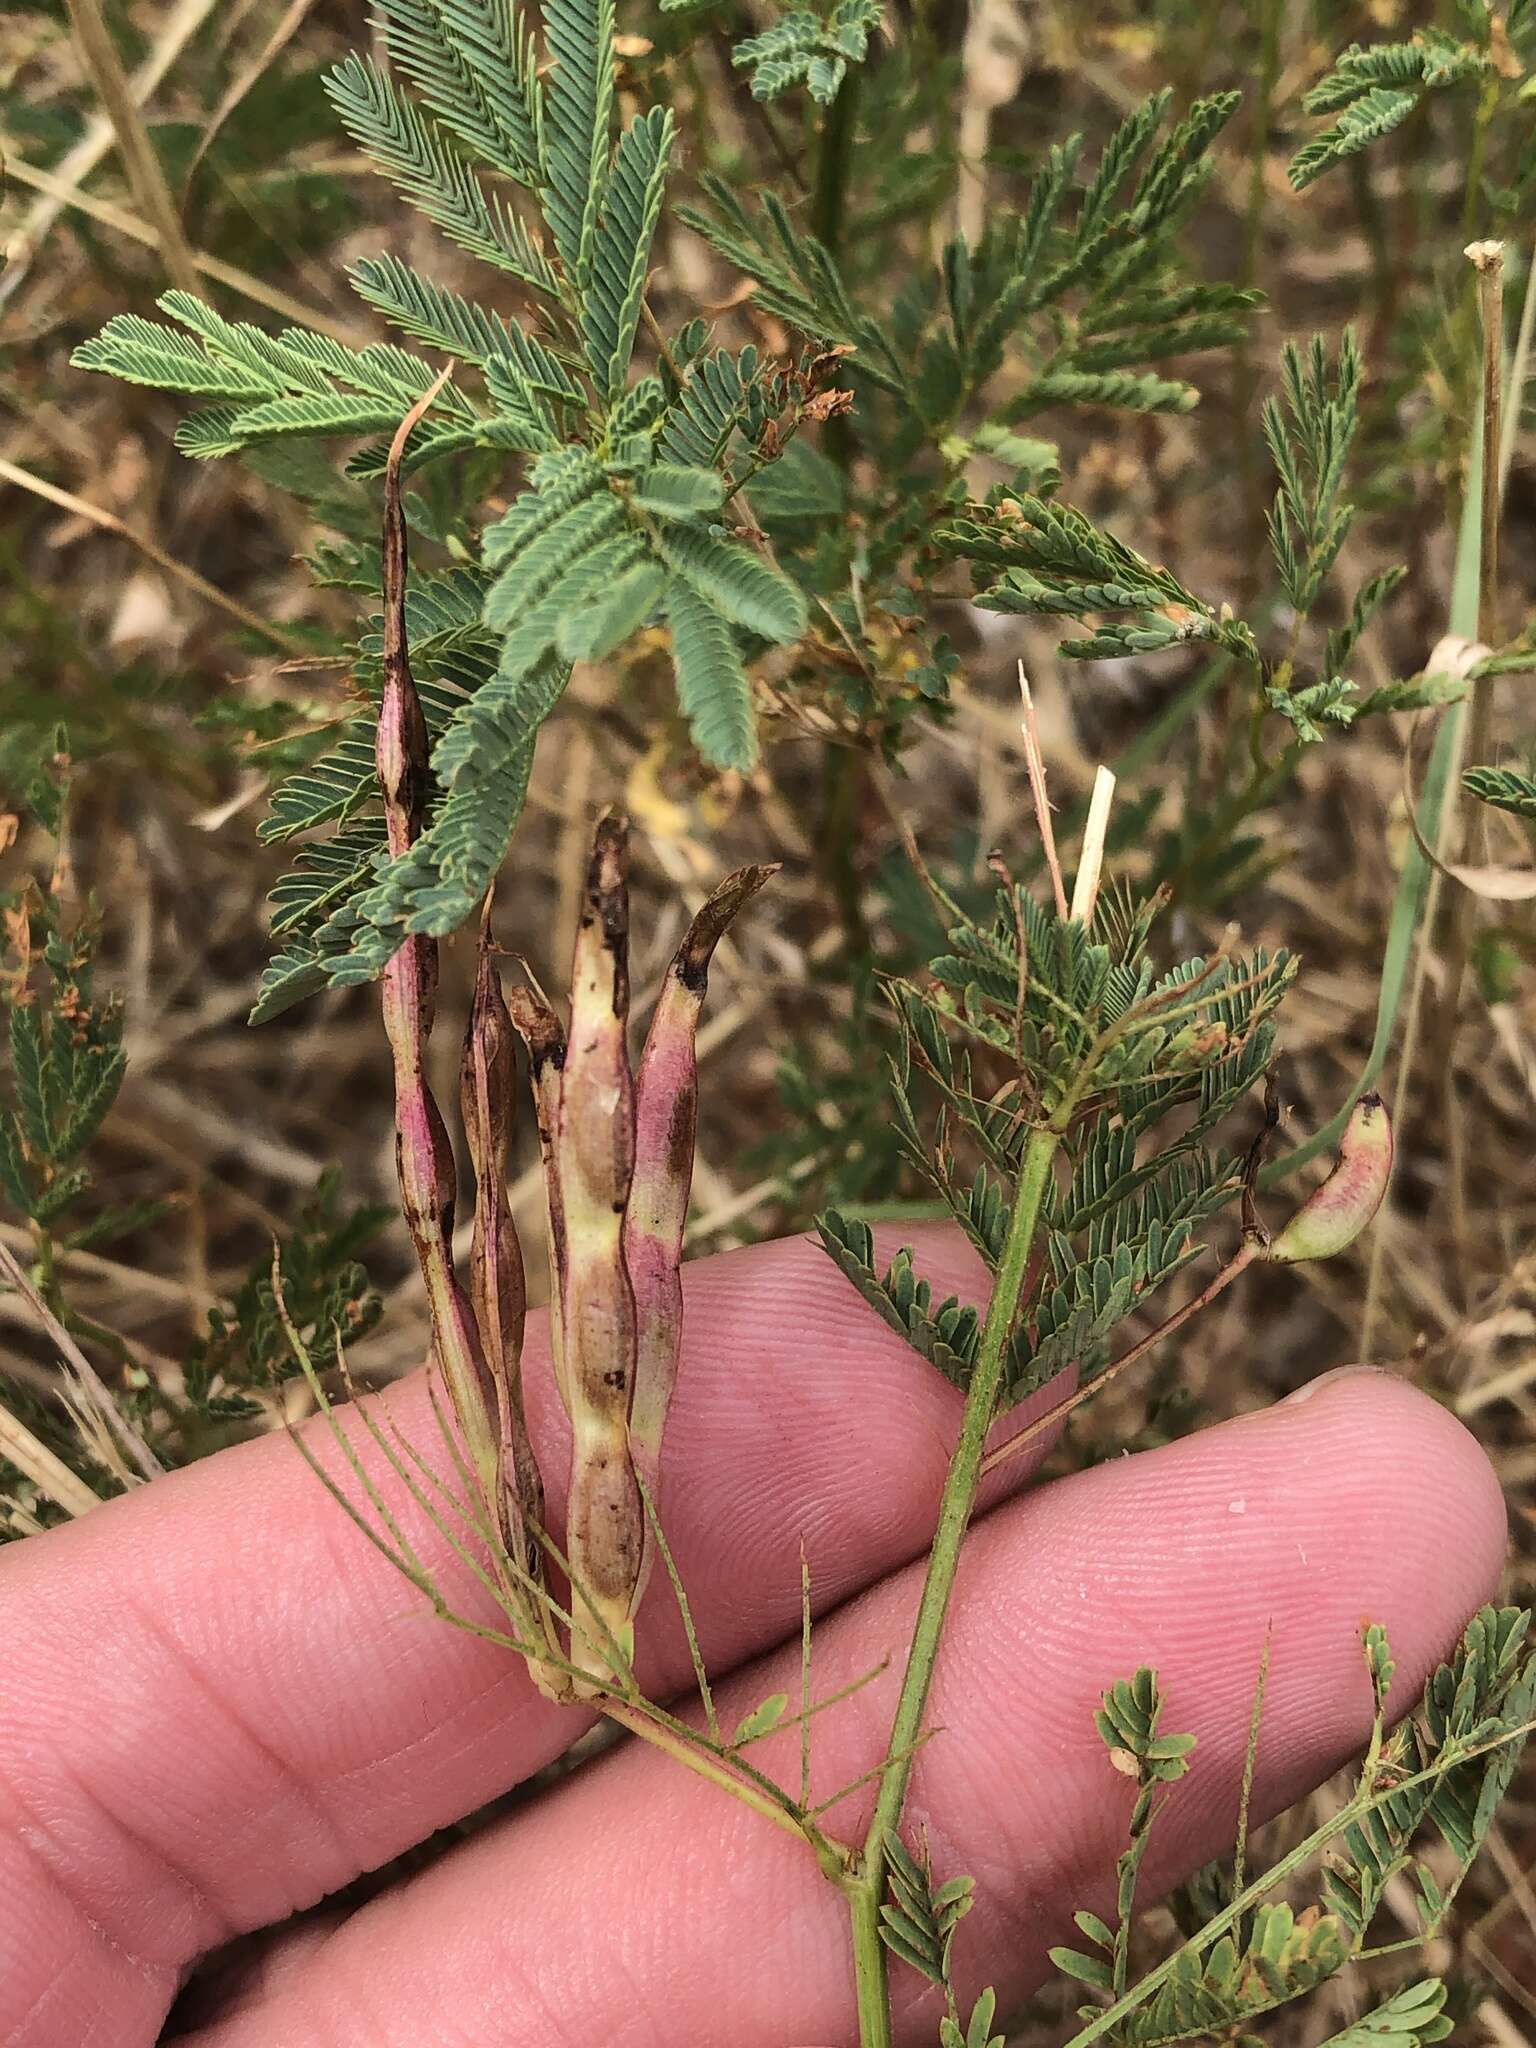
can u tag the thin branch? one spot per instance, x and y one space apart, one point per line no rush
1241 1260
1250 1761
684 1606
104 68
1488 259
108 522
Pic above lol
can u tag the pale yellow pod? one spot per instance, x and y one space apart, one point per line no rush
595 1145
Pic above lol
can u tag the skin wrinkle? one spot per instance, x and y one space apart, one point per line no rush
213 1925
734 1979
388 1764
38 1839
157 1981
39 2005
289 1781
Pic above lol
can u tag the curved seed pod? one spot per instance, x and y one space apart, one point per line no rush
539 1029
596 1147
1336 1212
497 1290
423 1154
666 1115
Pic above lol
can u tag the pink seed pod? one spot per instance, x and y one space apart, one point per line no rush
423 1152
487 1092
666 1114
618 1164
1336 1212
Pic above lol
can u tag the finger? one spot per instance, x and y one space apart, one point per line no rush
640 1907
222 1703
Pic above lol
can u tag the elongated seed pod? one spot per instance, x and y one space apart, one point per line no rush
540 1030
1336 1211
423 1154
596 1146
666 1118
487 1091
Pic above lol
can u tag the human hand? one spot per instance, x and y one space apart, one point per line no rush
221 1704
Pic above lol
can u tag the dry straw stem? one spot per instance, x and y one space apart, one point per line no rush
1085 888
95 1398
78 162
48 1473
214 268
1034 759
113 88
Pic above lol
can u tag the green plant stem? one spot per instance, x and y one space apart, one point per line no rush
684 1747
1246 377
1479 721
1418 886
1103 2022
1487 108
1469 821
829 207
834 159
869 1969
45 1265
843 770
955 1505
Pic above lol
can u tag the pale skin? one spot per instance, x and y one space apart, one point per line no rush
220 1705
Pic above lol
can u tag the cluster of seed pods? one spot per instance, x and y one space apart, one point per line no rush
617 1148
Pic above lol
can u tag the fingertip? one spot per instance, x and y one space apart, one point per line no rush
1406 1467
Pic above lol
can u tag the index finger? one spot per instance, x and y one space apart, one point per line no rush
222 1703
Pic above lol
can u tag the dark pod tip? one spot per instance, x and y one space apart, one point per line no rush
607 904
538 1027
691 961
